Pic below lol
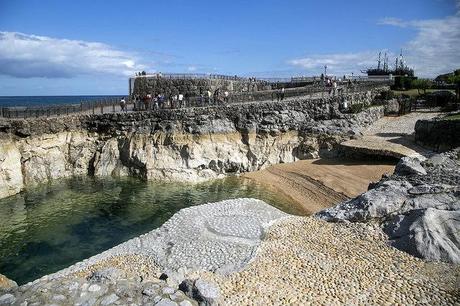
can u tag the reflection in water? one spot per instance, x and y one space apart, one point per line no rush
52 226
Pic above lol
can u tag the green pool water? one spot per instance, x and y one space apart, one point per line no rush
52 226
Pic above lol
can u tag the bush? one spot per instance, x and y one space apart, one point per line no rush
357 108
387 95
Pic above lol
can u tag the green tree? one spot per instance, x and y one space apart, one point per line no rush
421 84
455 79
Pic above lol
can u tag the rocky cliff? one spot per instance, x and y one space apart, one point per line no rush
418 207
175 145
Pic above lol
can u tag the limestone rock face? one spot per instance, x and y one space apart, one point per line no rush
408 166
54 156
427 233
418 207
11 180
389 197
190 145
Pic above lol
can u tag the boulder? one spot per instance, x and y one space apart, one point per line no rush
6 283
409 166
204 292
427 233
377 203
391 106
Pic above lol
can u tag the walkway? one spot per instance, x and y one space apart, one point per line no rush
392 136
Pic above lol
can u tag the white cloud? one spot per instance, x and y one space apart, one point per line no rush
26 56
338 64
435 49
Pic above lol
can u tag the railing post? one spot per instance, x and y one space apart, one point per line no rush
94 105
102 106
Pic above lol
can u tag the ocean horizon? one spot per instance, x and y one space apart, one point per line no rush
37 101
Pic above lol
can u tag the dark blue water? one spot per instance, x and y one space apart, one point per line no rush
52 226
9 101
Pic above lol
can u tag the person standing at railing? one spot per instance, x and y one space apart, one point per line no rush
226 96
174 101
216 96
208 94
123 105
282 94
186 99
147 99
181 100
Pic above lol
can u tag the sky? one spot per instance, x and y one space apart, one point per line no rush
83 47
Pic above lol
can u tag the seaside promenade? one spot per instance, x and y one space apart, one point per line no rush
113 105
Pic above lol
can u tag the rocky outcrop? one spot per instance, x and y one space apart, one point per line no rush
438 134
191 145
418 207
11 180
429 233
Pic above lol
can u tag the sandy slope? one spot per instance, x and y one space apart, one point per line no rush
320 183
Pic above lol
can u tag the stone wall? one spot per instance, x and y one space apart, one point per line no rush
191 144
157 85
438 134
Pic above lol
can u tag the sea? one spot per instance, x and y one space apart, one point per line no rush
36 101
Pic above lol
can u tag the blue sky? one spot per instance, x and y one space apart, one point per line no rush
91 47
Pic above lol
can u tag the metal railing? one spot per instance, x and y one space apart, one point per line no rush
112 105
99 106
192 76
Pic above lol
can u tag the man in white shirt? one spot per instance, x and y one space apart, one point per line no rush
181 99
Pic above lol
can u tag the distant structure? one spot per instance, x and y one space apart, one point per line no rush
401 69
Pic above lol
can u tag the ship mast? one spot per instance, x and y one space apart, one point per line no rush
385 63
378 65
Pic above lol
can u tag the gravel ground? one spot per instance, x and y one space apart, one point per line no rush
294 260
304 261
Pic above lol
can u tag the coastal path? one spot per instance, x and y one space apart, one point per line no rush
393 137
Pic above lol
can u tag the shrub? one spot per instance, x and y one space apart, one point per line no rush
357 108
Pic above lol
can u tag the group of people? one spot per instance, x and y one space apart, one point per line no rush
279 94
178 100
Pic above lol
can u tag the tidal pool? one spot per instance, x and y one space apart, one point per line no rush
52 226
